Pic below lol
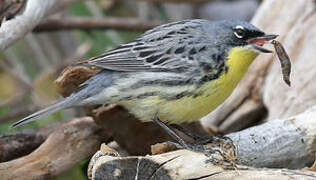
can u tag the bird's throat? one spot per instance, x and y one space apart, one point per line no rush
238 61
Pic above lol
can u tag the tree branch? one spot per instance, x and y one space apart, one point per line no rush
22 143
68 145
35 11
92 23
9 8
289 142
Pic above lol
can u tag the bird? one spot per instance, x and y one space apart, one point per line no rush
174 73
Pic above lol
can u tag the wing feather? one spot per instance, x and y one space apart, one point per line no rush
164 48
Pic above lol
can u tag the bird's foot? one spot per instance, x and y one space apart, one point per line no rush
219 150
202 140
198 139
201 144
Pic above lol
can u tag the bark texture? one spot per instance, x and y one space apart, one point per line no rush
65 147
181 164
239 157
13 146
35 10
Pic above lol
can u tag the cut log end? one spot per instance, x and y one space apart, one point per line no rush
180 164
140 168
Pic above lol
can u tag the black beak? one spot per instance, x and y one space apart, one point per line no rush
258 42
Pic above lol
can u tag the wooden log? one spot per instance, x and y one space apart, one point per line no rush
288 142
181 164
70 144
267 145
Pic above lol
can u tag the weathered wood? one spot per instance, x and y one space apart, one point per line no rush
289 142
181 164
267 145
294 22
17 145
13 146
65 147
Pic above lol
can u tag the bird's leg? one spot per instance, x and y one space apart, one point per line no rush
197 138
171 133
182 143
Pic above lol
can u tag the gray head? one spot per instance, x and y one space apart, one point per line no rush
239 33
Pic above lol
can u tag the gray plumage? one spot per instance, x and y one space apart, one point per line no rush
177 46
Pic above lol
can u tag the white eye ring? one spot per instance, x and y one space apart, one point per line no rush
238 28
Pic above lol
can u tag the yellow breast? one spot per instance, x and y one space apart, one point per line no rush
189 109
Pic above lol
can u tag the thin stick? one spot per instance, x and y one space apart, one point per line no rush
88 23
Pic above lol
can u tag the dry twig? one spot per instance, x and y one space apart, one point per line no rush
92 23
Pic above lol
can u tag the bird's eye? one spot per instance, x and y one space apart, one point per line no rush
239 32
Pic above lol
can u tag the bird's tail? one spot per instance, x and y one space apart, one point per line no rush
66 103
89 88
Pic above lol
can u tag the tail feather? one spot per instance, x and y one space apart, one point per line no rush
49 110
89 88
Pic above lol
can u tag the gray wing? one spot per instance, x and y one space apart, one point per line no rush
170 47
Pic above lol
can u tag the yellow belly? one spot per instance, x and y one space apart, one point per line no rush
188 109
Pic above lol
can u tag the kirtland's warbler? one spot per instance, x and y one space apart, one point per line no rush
174 73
